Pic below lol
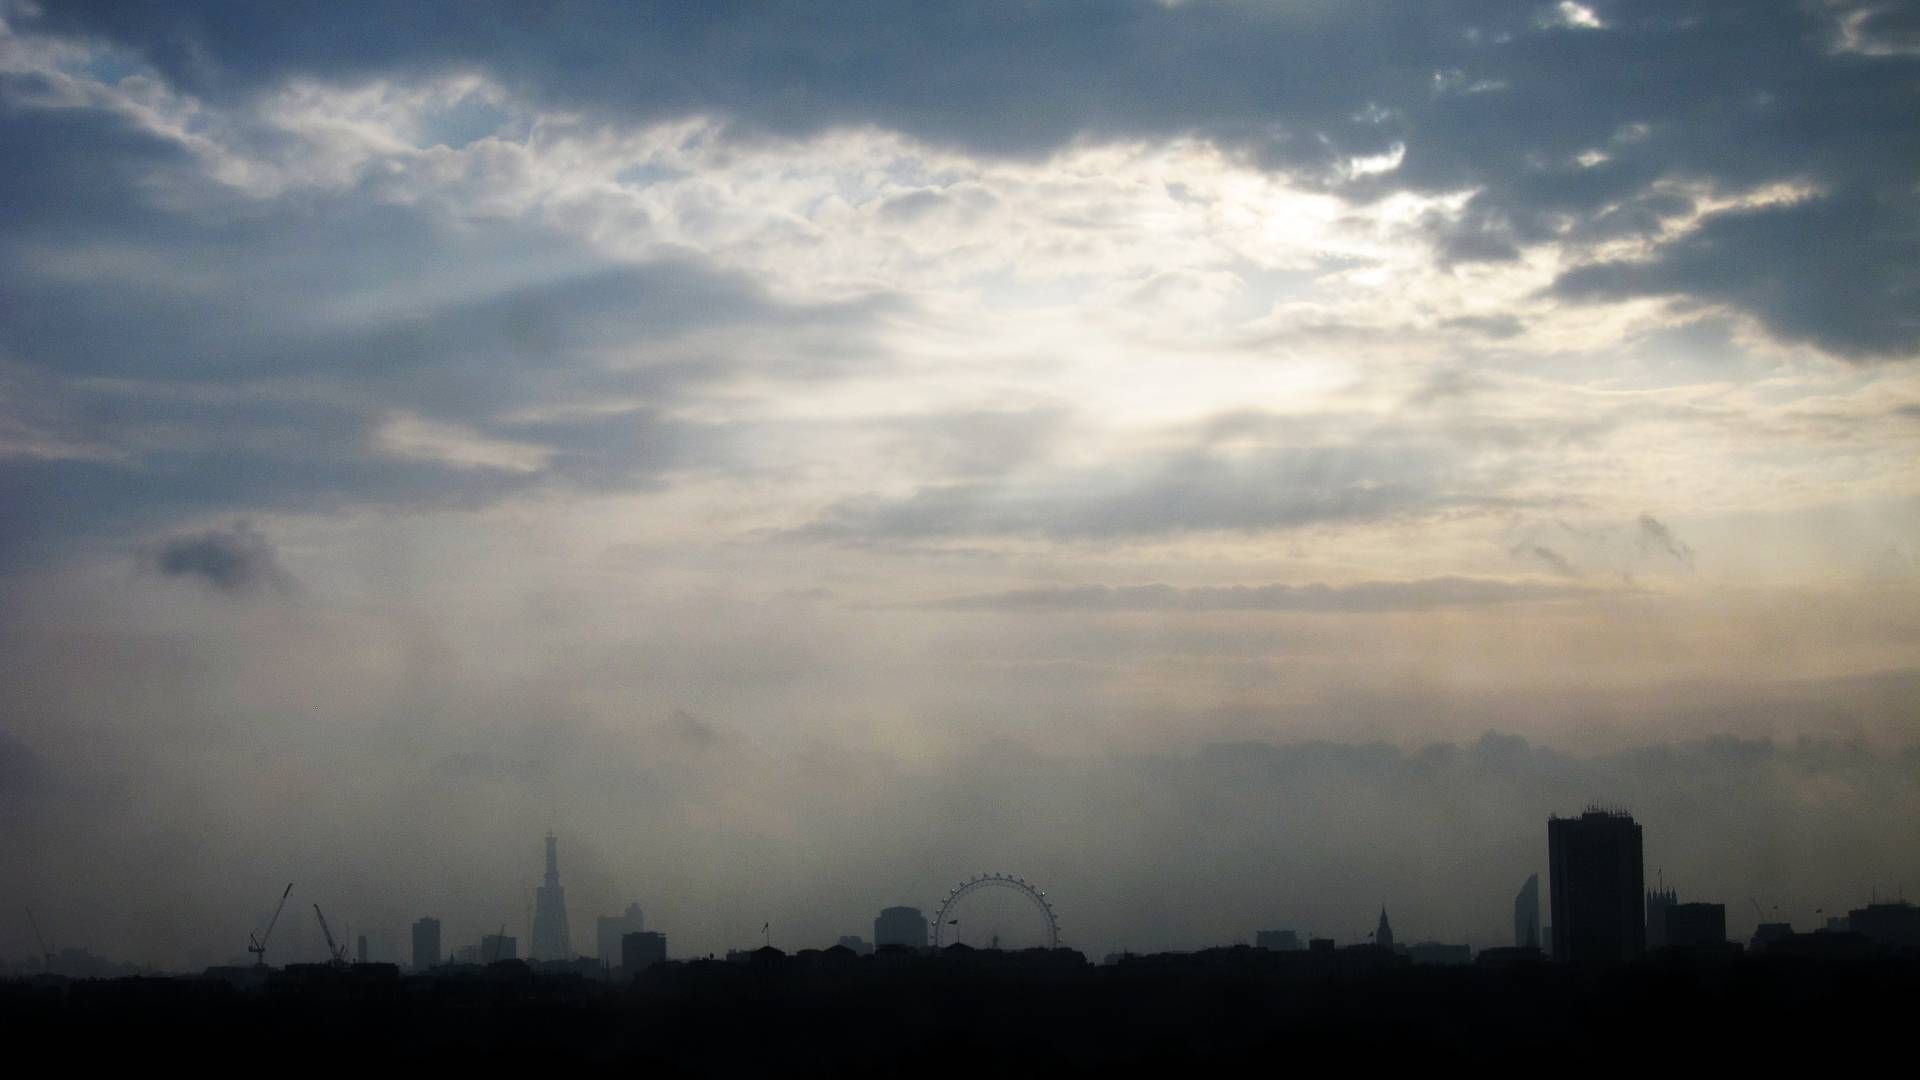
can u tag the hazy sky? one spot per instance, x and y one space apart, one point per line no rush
1236 464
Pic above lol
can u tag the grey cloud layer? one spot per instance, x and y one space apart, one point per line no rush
1482 94
1159 495
1370 596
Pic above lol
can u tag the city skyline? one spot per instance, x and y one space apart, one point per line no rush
1569 845
1242 463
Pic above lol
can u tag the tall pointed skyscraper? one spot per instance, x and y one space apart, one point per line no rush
1383 936
550 938
1526 914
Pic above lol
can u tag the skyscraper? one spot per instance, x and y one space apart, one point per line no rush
1598 885
609 929
1526 914
1383 935
550 938
426 943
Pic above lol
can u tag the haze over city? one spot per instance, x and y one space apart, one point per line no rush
1238 465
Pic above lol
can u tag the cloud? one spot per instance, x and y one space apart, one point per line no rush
176 346
1360 598
1499 327
1189 491
1795 268
235 560
1571 123
1547 557
1655 536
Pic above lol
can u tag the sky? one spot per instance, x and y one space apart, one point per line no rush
1238 465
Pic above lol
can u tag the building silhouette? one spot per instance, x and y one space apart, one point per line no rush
1598 888
1383 934
1659 901
498 947
550 938
426 943
641 950
1896 924
1767 933
858 945
1526 914
609 929
1277 940
1691 926
900 926
1440 954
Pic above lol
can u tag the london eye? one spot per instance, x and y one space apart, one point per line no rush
955 905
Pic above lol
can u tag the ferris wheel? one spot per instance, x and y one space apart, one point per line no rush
1019 885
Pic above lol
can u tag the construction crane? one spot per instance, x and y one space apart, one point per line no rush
46 954
257 945
336 954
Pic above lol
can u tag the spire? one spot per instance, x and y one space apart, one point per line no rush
1384 935
551 940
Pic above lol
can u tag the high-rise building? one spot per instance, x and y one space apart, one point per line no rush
426 943
900 926
1383 934
609 929
1598 886
550 938
1526 915
1692 926
1659 902
641 950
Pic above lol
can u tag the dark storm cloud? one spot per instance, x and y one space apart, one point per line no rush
1361 598
237 559
1565 132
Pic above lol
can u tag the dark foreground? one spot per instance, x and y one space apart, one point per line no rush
827 1013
